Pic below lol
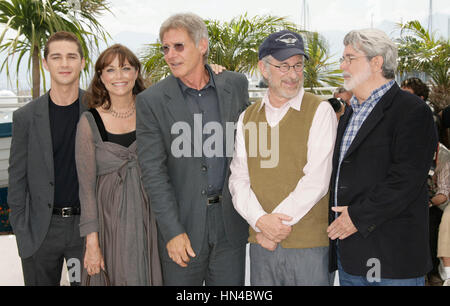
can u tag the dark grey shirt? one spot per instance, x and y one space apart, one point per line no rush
206 103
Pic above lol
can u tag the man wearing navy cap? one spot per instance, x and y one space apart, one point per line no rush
285 203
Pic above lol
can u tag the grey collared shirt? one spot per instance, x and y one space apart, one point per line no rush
206 103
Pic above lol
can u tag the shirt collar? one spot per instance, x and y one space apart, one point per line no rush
295 102
374 97
211 83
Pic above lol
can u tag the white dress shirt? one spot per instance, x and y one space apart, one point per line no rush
310 188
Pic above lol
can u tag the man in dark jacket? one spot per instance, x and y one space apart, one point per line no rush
384 148
43 183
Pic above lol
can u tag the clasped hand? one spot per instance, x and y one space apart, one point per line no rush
273 231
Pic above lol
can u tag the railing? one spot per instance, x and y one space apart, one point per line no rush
21 101
255 94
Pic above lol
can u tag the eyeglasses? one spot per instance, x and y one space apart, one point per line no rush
348 59
179 47
285 67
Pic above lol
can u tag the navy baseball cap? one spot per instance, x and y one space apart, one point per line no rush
282 45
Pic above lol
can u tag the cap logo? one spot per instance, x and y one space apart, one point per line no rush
288 39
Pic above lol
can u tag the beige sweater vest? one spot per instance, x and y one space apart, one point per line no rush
272 185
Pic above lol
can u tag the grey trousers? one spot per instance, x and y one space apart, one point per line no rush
289 267
218 264
62 241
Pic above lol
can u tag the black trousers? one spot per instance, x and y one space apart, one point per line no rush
434 222
62 241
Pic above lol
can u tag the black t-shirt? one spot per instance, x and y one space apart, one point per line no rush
124 140
63 126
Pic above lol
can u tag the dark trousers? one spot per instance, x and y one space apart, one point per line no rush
434 222
62 241
218 264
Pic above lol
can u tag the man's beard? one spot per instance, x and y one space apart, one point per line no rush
356 79
283 92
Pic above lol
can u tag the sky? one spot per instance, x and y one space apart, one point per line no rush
324 15
136 22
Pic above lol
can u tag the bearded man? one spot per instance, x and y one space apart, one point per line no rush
384 148
285 202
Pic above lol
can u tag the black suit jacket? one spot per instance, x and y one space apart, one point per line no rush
383 180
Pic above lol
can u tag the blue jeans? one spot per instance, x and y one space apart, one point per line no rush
346 279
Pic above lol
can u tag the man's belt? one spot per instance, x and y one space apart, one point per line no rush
66 212
214 199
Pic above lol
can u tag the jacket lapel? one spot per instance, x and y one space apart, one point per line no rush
176 103
42 129
224 92
373 119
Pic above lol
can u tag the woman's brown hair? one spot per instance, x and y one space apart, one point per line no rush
97 95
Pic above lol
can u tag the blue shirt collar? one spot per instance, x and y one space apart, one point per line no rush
374 97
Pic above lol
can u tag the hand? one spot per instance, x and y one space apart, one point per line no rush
217 69
266 242
180 249
438 199
93 260
343 226
271 225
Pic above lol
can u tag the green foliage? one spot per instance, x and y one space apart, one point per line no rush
421 51
35 20
319 70
235 44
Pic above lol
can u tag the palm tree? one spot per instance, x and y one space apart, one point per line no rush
319 70
154 67
35 20
235 44
421 51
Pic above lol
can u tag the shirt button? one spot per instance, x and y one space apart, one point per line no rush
203 192
204 168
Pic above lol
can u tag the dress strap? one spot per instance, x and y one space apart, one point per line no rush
100 125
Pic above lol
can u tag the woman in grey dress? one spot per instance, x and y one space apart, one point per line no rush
116 218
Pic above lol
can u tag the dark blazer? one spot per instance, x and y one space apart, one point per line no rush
383 180
177 186
31 174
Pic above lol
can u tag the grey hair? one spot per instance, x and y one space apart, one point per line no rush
192 23
266 60
374 42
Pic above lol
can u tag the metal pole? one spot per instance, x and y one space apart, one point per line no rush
430 18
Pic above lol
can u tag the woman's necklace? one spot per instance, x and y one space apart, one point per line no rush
123 115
